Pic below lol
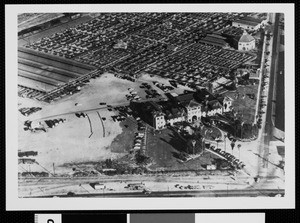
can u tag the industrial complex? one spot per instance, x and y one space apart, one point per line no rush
138 104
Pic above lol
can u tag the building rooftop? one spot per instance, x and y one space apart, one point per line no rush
38 20
171 110
185 97
193 103
214 40
247 22
246 38
214 104
214 35
252 19
203 95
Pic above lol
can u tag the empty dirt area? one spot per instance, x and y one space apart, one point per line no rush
83 139
76 140
90 139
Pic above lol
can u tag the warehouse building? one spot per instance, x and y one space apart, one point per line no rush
248 23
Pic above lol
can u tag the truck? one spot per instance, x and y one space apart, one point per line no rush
27 153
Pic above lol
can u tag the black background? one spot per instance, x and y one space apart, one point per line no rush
274 216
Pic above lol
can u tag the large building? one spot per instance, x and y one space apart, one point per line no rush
246 42
44 21
248 23
188 107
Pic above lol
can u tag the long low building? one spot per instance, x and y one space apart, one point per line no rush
43 21
215 40
248 23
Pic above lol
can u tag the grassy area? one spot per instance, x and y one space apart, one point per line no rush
163 149
243 104
124 141
210 133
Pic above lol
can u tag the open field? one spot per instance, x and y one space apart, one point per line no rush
69 141
77 140
82 139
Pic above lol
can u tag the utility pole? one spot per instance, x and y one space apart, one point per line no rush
239 147
53 170
225 136
227 189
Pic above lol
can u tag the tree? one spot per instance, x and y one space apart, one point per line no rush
142 159
232 144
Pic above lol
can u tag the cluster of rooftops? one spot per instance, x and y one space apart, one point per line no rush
177 106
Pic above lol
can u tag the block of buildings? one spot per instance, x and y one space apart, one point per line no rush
188 107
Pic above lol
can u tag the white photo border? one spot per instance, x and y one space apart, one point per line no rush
11 70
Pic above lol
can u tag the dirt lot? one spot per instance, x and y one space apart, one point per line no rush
76 140
69 141
82 139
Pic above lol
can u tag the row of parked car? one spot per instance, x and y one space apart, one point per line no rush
34 127
132 96
139 136
126 77
163 87
117 118
29 111
27 153
26 92
124 112
232 160
150 93
55 122
80 114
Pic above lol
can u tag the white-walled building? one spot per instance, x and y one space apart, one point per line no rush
186 107
246 42
159 121
227 104
193 111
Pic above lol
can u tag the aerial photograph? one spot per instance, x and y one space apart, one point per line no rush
151 104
